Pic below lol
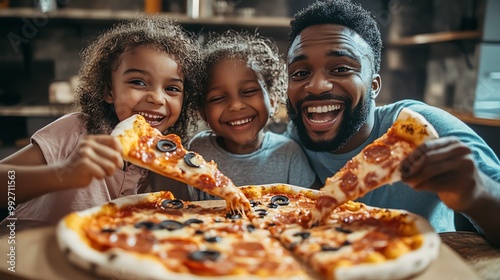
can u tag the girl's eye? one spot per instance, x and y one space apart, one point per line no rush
250 91
172 88
138 82
215 99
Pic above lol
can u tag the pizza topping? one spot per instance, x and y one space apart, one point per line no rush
205 255
272 205
303 234
280 200
188 159
145 224
233 215
343 230
213 239
376 153
172 203
250 228
193 221
166 146
171 225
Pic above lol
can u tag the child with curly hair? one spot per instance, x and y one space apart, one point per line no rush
245 82
145 66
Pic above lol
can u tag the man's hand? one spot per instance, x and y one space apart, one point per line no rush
445 166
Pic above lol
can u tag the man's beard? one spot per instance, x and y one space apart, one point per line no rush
352 121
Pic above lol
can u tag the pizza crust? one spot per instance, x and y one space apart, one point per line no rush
404 266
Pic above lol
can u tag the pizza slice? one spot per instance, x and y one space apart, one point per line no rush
146 147
376 165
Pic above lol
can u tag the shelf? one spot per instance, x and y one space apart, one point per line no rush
470 118
86 15
432 38
49 110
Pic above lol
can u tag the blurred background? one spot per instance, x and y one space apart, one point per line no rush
443 52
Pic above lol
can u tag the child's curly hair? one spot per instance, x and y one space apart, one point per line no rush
261 54
102 57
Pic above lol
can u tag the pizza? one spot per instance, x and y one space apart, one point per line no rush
146 147
376 165
155 236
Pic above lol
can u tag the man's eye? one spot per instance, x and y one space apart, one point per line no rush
342 69
299 74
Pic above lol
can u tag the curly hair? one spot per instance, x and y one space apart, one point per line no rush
261 55
102 56
341 12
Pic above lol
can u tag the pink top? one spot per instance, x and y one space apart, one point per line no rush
57 140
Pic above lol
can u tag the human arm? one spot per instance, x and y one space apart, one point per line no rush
447 166
96 156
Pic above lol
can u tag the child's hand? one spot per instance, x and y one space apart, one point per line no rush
445 166
96 156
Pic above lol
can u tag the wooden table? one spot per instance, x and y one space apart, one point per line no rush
483 256
38 257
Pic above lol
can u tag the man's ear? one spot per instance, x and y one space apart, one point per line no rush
109 98
376 85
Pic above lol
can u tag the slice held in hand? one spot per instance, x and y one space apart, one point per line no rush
145 146
376 165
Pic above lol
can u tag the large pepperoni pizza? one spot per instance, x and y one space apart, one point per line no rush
155 236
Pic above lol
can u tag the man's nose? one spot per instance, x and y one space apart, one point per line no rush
319 84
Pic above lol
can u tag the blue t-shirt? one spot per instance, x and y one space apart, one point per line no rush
278 160
399 195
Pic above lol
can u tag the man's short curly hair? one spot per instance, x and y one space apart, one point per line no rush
341 12
260 53
102 57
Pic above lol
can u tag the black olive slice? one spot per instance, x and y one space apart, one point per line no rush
145 224
328 248
261 212
172 203
213 239
187 159
280 200
207 255
166 146
108 230
252 203
193 221
343 230
198 231
272 205
233 215
171 225
303 234
250 228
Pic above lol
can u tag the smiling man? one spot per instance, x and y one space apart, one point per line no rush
333 63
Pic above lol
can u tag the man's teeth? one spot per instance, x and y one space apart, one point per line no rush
150 116
323 109
240 122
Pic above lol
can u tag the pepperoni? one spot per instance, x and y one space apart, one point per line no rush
325 202
253 249
349 182
376 153
371 180
142 242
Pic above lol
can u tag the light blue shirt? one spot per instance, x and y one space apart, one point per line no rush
400 195
278 160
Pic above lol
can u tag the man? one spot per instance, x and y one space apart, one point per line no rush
333 64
